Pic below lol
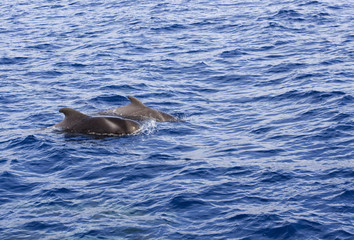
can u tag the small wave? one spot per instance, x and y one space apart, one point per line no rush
70 64
312 96
170 28
186 201
111 98
310 3
24 141
43 225
50 73
12 60
287 230
262 130
124 87
339 234
44 46
275 177
286 67
346 172
343 196
286 13
232 53
229 78
346 100
162 157
14 183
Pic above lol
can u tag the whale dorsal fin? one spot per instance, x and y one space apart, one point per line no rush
136 102
72 113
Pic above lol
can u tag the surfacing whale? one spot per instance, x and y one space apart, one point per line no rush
77 122
136 110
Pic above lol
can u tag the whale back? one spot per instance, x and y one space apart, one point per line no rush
78 122
106 125
136 102
136 110
72 117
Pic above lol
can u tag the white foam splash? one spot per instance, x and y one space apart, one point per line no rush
148 127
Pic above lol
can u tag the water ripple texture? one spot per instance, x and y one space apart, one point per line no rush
265 89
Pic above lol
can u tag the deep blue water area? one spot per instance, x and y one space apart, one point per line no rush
265 89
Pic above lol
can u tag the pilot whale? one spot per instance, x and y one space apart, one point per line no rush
136 110
77 122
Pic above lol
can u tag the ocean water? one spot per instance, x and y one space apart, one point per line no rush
266 91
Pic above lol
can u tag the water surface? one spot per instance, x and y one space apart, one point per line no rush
266 91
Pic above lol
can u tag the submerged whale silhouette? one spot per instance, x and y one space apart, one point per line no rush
136 110
77 122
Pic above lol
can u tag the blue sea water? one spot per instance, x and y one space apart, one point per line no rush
266 91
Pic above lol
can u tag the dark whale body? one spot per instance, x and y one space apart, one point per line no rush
77 122
136 110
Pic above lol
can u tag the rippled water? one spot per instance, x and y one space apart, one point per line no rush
266 91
